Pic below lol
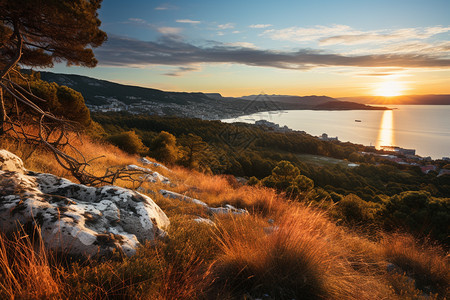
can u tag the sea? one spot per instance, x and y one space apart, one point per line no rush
425 128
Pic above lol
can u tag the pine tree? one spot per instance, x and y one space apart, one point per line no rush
39 33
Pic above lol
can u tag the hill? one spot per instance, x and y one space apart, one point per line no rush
280 249
102 95
406 99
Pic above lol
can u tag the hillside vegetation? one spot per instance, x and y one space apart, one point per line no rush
373 192
282 249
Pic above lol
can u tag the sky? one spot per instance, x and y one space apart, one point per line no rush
323 47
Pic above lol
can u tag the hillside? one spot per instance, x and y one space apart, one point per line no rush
101 95
281 249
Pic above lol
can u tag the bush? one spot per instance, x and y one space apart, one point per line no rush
253 181
128 141
353 210
418 212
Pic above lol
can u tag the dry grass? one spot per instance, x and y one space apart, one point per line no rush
217 190
305 257
101 156
25 269
428 264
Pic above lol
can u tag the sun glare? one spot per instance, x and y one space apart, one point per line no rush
389 89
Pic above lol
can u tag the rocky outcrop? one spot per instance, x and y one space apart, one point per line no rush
173 195
146 161
227 209
74 218
152 176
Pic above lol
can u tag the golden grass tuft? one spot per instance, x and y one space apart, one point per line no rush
427 264
303 258
25 269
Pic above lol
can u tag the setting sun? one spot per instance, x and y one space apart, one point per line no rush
389 89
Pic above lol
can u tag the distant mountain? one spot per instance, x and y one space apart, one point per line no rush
292 100
407 99
346 105
307 100
102 95
96 91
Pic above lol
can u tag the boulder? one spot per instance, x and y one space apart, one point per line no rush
74 218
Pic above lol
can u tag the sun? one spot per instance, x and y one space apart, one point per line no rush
389 89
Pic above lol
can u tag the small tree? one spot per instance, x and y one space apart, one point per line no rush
286 177
194 150
164 148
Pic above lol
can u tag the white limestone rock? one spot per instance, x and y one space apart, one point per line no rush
173 195
10 162
74 218
227 209
152 176
204 221
146 161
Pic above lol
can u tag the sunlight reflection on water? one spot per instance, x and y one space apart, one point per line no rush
386 130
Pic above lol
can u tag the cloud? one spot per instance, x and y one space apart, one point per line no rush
180 71
166 6
127 52
260 25
241 44
169 30
437 48
226 26
137 20
303 34
346 35
384 36
381 72
139 23
188 21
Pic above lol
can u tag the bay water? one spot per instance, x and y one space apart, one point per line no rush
425 128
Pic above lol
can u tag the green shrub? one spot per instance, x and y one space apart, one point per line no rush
286 178
353 210
418 212
128 141
253 181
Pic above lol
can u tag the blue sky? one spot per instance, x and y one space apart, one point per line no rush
337 48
